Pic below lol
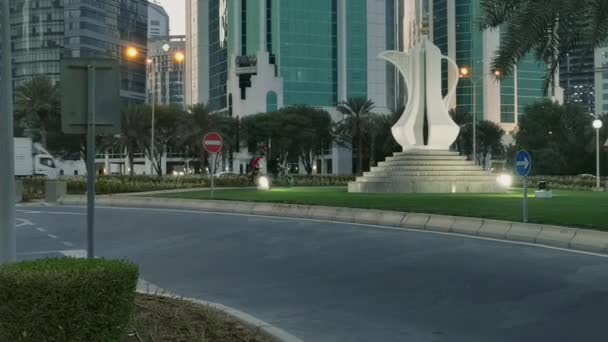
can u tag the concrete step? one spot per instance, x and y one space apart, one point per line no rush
410 157
414 168
463 173
443 163
398 179
427 153
426 187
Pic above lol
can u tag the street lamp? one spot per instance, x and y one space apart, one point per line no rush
597 124
465 72
178 57
132 52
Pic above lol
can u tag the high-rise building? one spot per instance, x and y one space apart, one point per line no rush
44 32
158 20
454 30
577 78
601 80
253 53
166 58
251 56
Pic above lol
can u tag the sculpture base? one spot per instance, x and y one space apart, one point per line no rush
426 171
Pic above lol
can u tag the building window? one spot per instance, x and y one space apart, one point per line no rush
269 26
271 102
244 27
330 166
155 22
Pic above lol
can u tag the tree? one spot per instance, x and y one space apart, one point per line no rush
308 131
549 29
560 138
355 124
463 120
201 119
489 140
38 106
168 131
135 132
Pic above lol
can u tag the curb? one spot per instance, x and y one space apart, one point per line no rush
544 235
267 329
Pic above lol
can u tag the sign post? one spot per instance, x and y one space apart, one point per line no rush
523 166
213 143
8 236
89 110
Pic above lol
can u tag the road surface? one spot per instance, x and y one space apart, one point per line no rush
338 282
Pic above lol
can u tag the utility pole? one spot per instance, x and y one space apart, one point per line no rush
7 171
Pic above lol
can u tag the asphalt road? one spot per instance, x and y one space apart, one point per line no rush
338 282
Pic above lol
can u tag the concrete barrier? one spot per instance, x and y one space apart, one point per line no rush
440 223
467 225
556 236
18 190
416 221
523 232
55 190
322 213
391 218
589 240
494 229
578 239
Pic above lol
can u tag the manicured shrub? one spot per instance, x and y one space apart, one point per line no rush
66 300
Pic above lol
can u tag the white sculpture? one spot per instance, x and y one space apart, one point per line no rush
421 69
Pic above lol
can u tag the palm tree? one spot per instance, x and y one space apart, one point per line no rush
135 132
354 124
463 120
490 140
37 104
550 29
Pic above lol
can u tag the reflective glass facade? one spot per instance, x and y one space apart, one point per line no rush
218 58
308 52
43 31
469 46
37 32
356 65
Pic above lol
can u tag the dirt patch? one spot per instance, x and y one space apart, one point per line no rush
157 319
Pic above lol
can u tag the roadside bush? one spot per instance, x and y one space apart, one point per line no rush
66 300
299 180
577 183
33 188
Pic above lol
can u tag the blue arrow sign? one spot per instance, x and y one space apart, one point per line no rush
523 163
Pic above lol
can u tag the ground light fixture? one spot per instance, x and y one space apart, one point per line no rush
505 180
263 183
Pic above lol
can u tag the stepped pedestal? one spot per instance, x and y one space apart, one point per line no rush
426 171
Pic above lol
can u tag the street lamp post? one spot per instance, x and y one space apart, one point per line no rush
178 57
466 73
597 124
152 65
7 171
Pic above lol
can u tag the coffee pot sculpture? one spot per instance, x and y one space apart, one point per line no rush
421 70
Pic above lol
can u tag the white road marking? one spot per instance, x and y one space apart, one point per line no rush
52 236
69 253
76 253
23 223
42 230
38 212
67 243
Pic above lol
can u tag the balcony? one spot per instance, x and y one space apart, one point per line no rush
246 65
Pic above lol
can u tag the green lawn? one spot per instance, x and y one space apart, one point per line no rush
567 208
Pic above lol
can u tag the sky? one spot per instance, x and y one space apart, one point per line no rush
177 14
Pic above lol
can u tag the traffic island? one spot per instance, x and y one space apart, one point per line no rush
159 318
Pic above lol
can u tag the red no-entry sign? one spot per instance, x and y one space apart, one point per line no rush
213 143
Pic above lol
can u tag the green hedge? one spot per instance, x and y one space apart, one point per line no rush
66 300
576 183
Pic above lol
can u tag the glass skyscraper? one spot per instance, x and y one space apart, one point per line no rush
318 52
455 30
45 31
